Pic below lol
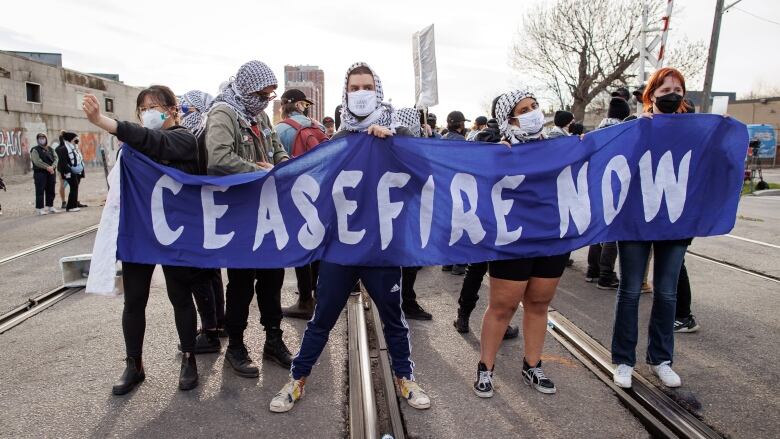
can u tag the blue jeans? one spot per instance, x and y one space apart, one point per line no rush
334 284
668 257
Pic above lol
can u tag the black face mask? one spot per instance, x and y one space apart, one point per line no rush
306 111
668 103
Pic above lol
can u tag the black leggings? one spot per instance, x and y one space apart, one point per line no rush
683 309
469 292
136 280
408 278
73 194
210 298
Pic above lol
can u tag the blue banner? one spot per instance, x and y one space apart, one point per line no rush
403 201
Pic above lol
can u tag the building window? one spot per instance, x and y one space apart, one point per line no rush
109 105
33 92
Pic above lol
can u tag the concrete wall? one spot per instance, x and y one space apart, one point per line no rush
61 93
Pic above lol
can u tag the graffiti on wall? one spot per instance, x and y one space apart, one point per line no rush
14 151
12 143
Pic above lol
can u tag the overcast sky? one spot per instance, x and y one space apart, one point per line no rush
198 44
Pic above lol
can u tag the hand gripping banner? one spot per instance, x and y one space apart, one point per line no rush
403 201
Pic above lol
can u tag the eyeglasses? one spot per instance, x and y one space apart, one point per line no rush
265 96
142 109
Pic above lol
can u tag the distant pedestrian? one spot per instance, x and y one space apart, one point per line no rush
561 122
480 123
330 126
44 160
2 186
71 167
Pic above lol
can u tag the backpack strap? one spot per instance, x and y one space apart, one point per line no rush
292 123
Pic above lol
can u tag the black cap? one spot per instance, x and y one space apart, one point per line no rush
292 95
481 120
456 116
562 118
431 116
622 92
618 108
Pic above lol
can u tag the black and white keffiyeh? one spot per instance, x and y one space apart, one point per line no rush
200 101
238 94
409 118
382 115
504 106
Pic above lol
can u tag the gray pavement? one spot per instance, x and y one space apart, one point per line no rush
58 368
445 365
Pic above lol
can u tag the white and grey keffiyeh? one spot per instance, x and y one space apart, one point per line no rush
200 101
504 106
409 118
382 115
238 94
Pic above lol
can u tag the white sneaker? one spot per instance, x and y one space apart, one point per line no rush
622 376
42 212
413 394
53 210
665 373
285 399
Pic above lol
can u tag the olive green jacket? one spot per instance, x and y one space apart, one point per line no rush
233 148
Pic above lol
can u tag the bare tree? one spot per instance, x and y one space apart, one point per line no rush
579 48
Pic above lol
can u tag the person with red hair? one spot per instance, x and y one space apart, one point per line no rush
664 93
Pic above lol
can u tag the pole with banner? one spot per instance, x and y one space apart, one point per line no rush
426 87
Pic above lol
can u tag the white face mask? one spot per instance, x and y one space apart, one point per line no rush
362 102
532 122
153 119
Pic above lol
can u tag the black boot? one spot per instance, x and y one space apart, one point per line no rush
133 375
413 311
275 349
188 376
238 358
303 309
461 324
511 332
207 342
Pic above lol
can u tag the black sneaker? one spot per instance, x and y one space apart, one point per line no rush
687 324
483 385
534 377
414 311
79 204
459 270
239 360
446 268
511 332
606 283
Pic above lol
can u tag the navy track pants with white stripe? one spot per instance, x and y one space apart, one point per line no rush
334 285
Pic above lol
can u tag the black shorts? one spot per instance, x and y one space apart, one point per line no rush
521 270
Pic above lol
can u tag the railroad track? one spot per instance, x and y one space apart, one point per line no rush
735 267
34 306
373 405
659 413
53 243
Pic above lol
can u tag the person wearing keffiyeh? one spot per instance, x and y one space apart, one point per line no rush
194 105
362 111
532 281
239 138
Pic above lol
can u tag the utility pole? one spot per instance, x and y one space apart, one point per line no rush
719 11
705 96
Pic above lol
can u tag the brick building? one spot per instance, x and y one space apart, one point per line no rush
39 95
311 81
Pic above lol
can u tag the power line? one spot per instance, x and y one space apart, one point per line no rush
757 16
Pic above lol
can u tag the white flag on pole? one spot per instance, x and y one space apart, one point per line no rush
426 88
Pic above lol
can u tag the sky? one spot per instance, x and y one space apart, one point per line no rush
198 44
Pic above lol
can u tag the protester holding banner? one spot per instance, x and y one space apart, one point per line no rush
194 104
240 139
663 94
362 111
296 128
410 118
164 141
530 280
